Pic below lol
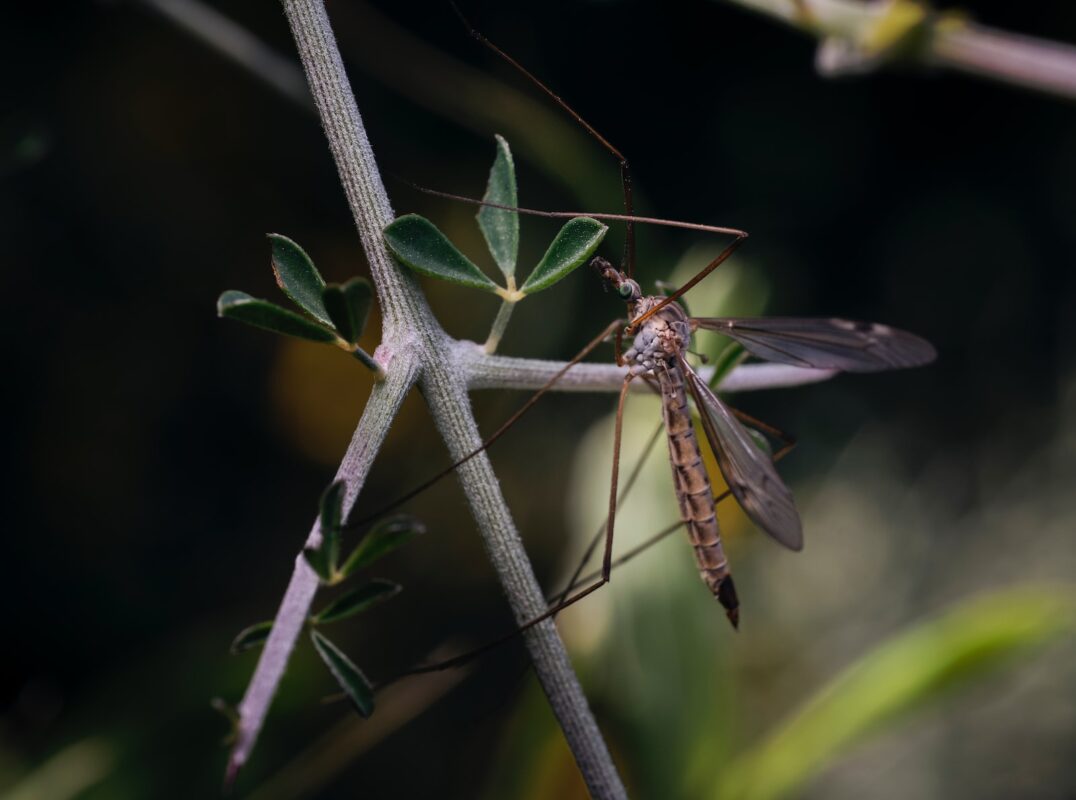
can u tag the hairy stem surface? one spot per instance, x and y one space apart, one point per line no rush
413 348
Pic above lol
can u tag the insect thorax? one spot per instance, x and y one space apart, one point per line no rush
660 338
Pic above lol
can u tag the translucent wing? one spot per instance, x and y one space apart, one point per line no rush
824 343
749 472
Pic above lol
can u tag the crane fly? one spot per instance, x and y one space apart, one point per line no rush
662 332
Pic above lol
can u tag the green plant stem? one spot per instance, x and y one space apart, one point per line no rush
500 324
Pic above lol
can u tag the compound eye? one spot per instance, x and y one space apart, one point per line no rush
626 290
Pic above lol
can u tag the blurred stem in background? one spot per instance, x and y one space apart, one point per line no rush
439 83
856 37
330 755
859 37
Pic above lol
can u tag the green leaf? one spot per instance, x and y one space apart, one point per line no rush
263 314
726 362
572 246
501 227
906 672
357 600
760 440
298 277
324 558
668 287
381 539
252 636
350 677
348 306
331 515
418 244
318 559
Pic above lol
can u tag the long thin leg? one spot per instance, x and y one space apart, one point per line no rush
618 347
557 601
592 545
626 218
613 326
607 557
625 170
607 560
717 262
787 440
665 287
635 472
665 532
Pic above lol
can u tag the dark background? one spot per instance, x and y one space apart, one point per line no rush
165 465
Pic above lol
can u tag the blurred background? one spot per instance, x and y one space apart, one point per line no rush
165 465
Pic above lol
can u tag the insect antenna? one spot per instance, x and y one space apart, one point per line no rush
628 264
717 262
627 218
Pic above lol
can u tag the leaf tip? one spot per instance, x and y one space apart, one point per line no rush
230 298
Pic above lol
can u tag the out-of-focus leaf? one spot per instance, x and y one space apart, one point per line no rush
70 773
381 539
298 277
350 677
501 227
251 636
263 314
225 709
348 306
572 246
420 245
230 713
906 672
331 515
359 599
760 440
667 288
726 362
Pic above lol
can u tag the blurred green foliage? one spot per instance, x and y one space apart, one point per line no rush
904 673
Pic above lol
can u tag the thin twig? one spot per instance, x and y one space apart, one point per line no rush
294 609
505 372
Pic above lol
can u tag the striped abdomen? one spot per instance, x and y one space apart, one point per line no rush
693 490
